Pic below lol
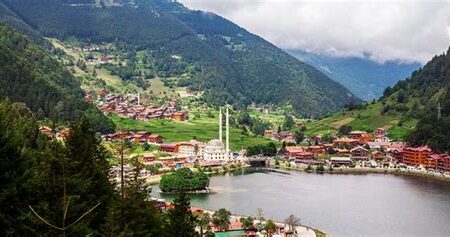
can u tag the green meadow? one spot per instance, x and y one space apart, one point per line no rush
366 120
201 127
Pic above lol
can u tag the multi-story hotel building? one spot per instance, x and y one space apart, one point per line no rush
416 156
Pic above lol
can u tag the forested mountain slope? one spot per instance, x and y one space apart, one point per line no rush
429 89
410 110
29 74
228 63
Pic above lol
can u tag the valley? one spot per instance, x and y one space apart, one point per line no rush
148 118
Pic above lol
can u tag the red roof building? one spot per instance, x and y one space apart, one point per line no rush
169 147
292 151
356 134
416 156
440 161
155 138
346 143
179 116
379 132
359 153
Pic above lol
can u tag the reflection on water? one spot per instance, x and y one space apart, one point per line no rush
342 205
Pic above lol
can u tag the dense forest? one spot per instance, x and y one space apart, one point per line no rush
29 74
226 62
49 188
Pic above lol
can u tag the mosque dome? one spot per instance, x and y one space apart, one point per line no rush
216 143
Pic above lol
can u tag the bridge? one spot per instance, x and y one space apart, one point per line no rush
259 161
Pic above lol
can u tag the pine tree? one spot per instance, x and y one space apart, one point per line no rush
181 221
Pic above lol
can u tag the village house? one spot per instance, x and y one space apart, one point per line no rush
347 143
443 162
305 155
379 133
316 149
284 136
104 59
142 137
396 154
342 151
339 161
359 153
63 134
169 147
119 136
268 133
179 116
432 161
377 155
316 139
293 151
356 135
154 138
47 131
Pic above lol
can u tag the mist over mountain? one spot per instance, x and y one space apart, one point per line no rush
364 77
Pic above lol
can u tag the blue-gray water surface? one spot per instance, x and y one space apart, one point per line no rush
341 205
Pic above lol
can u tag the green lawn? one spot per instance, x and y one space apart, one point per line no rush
202 129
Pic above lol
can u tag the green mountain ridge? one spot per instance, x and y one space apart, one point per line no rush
230 64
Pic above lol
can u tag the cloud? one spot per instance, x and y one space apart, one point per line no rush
401 30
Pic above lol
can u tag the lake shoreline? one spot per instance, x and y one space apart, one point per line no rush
204 191
356 171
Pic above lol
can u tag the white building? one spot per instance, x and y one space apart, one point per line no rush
192 149
215 150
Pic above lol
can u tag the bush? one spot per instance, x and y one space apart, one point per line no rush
320 169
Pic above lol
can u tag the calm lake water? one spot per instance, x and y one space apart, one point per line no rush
341 205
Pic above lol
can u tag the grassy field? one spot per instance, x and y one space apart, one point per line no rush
365 120
203 128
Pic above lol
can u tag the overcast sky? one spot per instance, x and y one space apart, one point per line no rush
403 30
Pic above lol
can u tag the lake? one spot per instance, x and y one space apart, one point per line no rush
341 205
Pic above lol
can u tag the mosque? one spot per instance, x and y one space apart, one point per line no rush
215 149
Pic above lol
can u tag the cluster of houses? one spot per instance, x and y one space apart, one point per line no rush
281 136
129 106
179 154
60 134
142 137
362 146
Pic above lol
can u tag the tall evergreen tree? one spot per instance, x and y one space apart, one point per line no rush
181 221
